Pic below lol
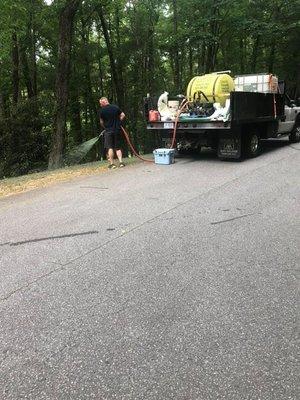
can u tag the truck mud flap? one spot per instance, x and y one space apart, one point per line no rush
230 146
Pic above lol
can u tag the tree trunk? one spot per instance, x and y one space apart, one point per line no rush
26 72
255 54
86 61
115 78
150 61
4 112
176 50
119 61
2 106
272 56
201 54
33 53
100 72
213 46
191 61
15 68
62 79
242 56
75 116
274 41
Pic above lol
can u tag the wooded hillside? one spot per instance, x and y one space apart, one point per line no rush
57 58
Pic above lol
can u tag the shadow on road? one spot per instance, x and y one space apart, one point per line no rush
274 144
209 155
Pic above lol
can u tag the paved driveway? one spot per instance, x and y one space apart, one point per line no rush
154 282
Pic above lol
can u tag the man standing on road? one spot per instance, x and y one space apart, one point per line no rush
110 119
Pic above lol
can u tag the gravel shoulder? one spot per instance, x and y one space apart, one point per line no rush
25 183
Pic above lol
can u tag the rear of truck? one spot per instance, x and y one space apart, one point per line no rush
232 122
251 117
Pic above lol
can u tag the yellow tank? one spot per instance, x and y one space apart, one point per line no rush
210 88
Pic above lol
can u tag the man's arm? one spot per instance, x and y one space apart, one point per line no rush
100 119
102 123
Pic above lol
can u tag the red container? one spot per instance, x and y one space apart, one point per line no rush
154 116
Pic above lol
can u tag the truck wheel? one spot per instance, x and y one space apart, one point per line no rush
252 145
295 134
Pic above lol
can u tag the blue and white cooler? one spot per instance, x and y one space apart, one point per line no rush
164 156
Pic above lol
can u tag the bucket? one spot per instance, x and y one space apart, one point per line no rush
154 116
173 106
210 88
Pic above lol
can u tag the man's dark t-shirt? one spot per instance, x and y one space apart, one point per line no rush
110 116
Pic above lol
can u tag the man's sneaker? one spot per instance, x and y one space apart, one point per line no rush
112 166
121 165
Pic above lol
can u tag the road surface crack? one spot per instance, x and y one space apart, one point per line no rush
234 218
48 238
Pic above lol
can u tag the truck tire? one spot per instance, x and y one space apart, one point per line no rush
295 134
252 145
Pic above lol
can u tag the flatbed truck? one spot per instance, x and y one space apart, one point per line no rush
253 118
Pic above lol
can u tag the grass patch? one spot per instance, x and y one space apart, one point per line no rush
24 183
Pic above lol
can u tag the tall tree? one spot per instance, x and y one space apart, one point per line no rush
114 70
66 22
123 49
176 46
15 67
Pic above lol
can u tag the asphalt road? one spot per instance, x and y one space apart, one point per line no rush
155 282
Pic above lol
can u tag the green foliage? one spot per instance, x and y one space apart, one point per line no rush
24 141
151 46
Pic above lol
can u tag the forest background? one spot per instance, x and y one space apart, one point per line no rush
58 57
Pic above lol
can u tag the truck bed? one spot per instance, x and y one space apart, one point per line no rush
189 125
245 107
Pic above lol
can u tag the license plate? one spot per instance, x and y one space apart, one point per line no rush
169 125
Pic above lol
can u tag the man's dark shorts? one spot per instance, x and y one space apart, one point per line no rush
112 139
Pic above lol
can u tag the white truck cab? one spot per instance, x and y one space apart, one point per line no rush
291 121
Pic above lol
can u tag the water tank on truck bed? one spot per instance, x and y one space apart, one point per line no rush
210 88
